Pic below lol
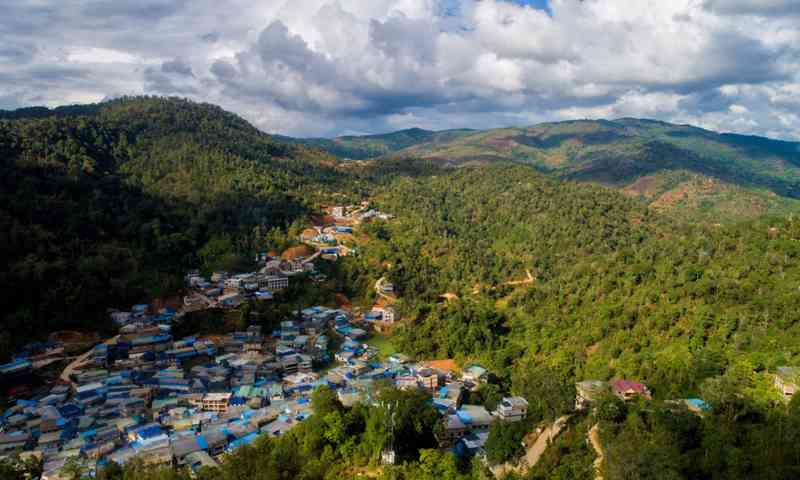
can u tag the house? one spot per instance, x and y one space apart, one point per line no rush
182 447
273 283
428 378
472 444
629 389
380 314
398 359
475 417
276 392
512 409
231 300
697 406
388 314
475 374
218 277
216 402
589 391
264 295
787 380
13 441
161 455
453 429
406 382
199 459
337 212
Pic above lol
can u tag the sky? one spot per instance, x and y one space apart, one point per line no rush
333 67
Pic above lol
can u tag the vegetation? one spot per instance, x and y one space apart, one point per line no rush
371 146
112 208
677 168
550 281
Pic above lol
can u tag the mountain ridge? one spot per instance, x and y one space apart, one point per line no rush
621 152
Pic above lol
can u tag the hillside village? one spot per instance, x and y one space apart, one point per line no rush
187 402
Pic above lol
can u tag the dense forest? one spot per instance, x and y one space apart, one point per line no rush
617 290
110 208
550 281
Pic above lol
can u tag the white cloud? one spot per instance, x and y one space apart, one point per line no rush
322 67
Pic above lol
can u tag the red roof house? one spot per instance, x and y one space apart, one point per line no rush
629 389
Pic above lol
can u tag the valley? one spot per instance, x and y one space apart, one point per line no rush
492 269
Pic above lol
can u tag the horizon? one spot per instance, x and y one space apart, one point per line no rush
327 68
389 132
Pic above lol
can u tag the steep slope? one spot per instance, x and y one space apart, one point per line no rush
619 292
109 208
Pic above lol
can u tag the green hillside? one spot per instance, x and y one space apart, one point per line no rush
372 146
110 208
552 280
666 164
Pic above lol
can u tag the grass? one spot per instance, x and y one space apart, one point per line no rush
383 344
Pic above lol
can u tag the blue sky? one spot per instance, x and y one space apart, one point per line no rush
540 4
331 67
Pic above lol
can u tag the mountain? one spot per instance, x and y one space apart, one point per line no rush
550 279
676 168
110 207
372 146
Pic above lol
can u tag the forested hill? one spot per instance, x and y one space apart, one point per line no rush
373 146
676 168
108 208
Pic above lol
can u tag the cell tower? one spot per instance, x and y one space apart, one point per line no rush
389 456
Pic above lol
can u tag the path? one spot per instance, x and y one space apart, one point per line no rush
530 279
536 450
70 369
594 439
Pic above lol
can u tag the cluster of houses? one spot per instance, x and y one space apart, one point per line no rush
588 392
183 402
32 357
357 213
223 290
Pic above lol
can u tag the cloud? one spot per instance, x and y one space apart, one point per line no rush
178 67
325 67
765 8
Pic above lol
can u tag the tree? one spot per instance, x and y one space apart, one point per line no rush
549 394
505 441
324 401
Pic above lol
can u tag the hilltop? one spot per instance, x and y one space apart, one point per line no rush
112 203
675 168
373 146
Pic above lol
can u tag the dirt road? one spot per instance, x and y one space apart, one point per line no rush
534 452
594 439
70 369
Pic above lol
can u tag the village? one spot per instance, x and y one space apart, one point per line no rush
189 401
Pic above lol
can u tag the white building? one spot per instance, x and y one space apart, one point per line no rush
388 315
512 409
273 282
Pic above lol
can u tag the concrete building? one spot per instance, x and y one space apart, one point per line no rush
216 402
